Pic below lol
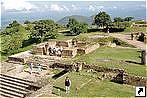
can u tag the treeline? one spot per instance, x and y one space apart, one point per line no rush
102 21
16 35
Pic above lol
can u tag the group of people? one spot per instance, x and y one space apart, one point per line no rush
136 35
55 51
31 65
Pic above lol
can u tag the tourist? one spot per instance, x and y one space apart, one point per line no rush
31 67
132 36
67 84
39 67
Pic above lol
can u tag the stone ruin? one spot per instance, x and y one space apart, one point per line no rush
20 57
136 35
67 48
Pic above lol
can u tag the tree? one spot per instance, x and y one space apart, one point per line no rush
11 28
27 22
12 37
128 18
76 27
102 19
117 21
44 29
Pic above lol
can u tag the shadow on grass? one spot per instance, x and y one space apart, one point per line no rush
133 62
62 89
60 74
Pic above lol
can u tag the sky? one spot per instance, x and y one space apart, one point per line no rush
57 9
27 5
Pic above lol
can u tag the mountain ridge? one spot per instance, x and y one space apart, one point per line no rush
80 18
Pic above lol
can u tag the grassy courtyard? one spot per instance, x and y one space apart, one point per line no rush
91 87
123 58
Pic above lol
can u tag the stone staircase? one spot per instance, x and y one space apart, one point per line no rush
12 87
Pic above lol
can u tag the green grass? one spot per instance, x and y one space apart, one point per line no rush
93 88
5 56
136 29
117 59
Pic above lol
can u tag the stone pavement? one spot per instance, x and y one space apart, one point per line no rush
127 38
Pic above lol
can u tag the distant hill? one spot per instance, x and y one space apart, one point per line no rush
79 18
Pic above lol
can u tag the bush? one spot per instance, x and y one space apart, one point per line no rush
141 37
112 40
121 43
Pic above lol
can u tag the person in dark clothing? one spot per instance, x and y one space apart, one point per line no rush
132 36
67 84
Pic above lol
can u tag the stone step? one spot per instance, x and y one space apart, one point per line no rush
14 86
15 80
6 95
13 83
25 81
6 91
13 89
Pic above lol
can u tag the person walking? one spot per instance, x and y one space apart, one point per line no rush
67 84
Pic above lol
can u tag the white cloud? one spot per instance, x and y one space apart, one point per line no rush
18 5
55 7
114 7
91 8
101 7
46 6
66 8
74 7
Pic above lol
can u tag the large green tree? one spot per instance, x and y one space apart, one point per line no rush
12 37
128 18
102 19
76 27
44 29
117 21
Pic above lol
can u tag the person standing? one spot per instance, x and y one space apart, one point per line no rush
132 36
31 67
67 84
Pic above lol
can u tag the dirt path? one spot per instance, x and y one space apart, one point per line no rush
127 38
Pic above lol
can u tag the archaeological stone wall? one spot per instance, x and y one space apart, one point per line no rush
118 76
87 49
121 76
134 80
80 44
60 65
102 69
63 43
69 52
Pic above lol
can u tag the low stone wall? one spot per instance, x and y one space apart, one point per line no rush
69 52
20 57
38 50
103 69
60 65
80 44
88 49
16 59
118 76
134 80
63 43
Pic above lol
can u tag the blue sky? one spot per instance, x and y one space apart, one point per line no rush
57 9
24 5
